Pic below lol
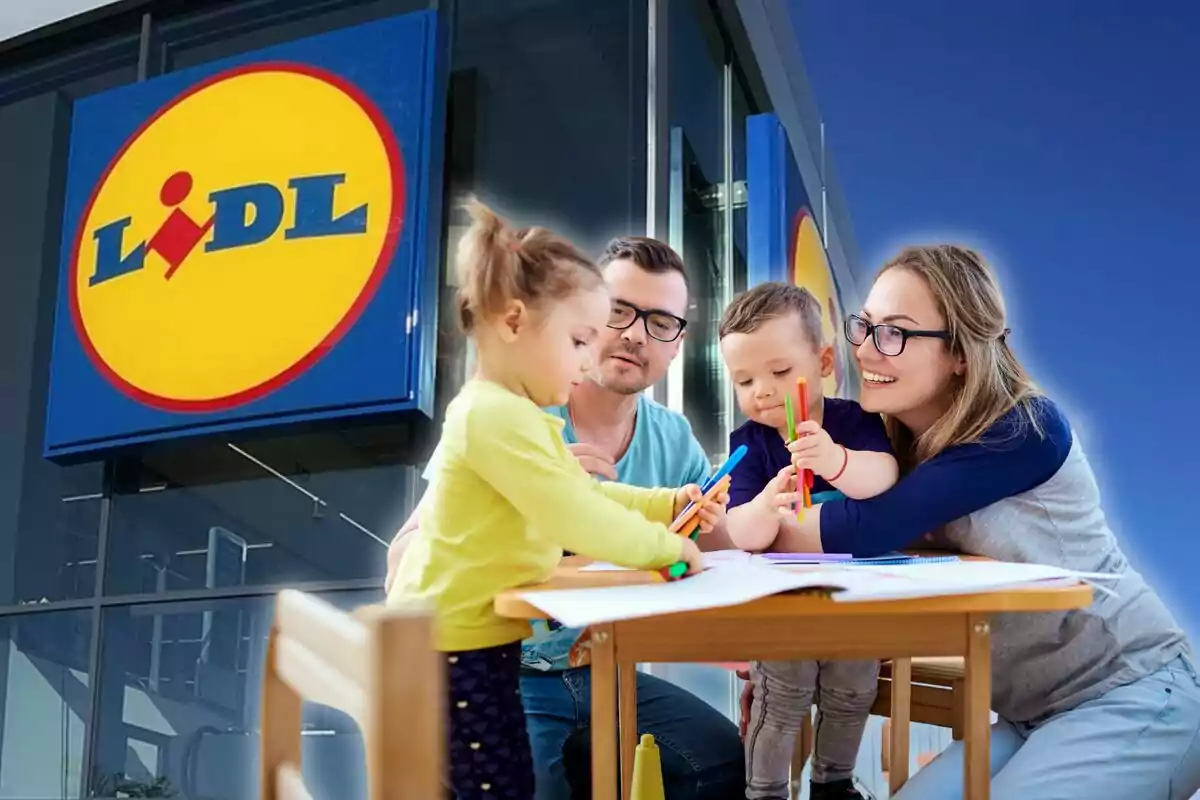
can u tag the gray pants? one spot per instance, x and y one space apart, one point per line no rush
784 692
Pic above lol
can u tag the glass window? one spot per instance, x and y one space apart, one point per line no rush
49 515
245 26
739 110
81 71
696 109
223 515
179 704
548 100
45 701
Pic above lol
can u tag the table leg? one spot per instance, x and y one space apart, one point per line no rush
977 776
604 714
627 721
901 714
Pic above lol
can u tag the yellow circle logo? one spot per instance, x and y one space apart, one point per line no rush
236 237
810 270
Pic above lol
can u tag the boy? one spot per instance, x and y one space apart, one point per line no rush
770 336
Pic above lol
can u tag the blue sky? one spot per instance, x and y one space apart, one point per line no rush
1061 142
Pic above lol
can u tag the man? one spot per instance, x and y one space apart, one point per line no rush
618 433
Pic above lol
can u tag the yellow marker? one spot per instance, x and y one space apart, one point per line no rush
647 772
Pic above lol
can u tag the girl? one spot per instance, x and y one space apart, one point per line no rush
1097 702
507 497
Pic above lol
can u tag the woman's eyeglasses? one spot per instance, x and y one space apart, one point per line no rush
889 339
659 324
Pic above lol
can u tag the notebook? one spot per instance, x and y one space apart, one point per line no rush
898 559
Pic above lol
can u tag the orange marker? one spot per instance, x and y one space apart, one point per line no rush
689 521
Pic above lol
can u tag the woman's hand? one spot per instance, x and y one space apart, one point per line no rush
746 700
815 450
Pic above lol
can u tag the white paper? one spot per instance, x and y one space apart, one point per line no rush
732 583
727 585
947 578
604 566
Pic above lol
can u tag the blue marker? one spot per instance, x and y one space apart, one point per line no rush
725 469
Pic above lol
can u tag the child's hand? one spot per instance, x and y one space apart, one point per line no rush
780 494
756 534
684 495
815 450
691 556
712 514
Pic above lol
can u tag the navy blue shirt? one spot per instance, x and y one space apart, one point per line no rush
767 453
1021 450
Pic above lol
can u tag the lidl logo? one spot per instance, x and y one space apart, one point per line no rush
248 242
215 263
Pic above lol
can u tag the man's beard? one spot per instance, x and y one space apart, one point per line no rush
628 381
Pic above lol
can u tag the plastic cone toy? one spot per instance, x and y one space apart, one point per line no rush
647 772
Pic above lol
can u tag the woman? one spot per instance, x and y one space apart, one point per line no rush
1098 702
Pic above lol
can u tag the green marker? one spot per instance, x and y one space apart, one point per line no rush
676 570
791 417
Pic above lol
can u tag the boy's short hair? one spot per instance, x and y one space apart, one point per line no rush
651 255
767 301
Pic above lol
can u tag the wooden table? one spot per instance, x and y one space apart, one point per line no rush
790 627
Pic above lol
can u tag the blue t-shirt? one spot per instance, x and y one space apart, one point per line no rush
767 453
663 452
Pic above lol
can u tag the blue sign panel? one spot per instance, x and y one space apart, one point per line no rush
252 242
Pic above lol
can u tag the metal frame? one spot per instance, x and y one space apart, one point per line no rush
658 158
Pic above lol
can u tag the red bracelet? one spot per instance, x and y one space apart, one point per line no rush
845 461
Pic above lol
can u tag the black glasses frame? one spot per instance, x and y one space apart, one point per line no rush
872 331
644 315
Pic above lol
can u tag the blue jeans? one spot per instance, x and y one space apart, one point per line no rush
1137 742
700 749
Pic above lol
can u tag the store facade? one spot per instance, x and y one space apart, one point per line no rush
147 516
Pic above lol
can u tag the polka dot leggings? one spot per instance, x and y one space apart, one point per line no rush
489 746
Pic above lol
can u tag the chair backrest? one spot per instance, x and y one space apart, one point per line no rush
379 667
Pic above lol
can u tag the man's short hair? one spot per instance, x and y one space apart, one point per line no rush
649 254
767 301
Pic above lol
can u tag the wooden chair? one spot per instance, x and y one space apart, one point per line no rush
379 667
935 698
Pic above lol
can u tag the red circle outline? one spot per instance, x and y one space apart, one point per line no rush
322 348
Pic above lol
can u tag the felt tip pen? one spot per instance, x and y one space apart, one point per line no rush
675 571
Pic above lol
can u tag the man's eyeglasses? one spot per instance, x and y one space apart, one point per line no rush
660 325
889 339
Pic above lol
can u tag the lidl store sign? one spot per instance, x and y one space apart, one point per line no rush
247 243
785 242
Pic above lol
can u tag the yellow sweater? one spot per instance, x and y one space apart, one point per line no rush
506 498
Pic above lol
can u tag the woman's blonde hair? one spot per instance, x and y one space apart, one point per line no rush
968 296
497 264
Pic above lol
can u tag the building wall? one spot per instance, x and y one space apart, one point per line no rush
124 659
135 592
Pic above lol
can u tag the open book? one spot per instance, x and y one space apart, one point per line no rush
732 582
717 557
